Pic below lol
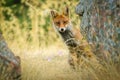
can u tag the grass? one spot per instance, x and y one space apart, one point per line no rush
47 64
50 63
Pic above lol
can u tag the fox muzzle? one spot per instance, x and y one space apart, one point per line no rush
62 29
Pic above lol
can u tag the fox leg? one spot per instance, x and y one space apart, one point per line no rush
73 61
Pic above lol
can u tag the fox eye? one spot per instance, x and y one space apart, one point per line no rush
64 22
57 23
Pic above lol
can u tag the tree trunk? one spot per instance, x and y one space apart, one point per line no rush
9 63
100 24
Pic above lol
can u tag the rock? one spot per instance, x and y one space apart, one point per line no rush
100 24
10 68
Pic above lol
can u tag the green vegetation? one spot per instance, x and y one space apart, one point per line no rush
28 22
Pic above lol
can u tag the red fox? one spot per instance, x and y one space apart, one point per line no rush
70 36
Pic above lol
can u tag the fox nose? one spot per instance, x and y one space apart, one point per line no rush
62 29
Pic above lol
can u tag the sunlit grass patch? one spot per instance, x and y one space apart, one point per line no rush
51 63
46 64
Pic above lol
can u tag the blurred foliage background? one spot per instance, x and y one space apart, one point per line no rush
27 23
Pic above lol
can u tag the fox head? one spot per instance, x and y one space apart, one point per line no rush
61 21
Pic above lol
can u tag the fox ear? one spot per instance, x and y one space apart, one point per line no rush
66 12
54 14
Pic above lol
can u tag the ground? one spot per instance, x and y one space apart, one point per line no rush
49 63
